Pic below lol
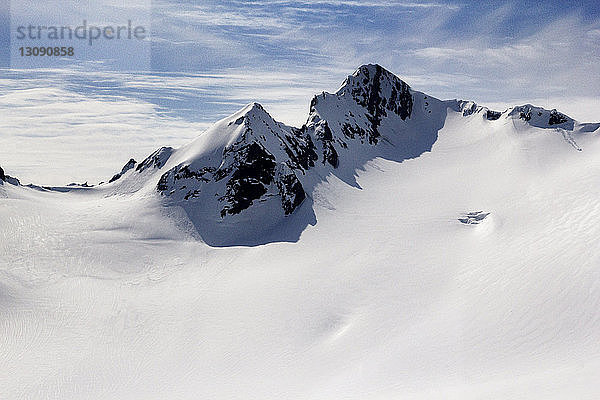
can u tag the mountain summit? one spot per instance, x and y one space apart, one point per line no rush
242 159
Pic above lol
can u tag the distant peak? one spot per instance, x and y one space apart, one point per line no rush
541 117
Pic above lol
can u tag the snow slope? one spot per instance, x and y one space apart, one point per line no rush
371 289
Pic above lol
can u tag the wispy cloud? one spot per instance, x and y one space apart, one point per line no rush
557 59
352 3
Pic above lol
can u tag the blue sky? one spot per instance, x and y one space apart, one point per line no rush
520 48
209 58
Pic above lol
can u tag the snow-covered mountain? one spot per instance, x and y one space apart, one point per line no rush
249 167
245 158
394 246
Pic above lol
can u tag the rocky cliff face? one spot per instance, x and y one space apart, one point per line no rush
379 92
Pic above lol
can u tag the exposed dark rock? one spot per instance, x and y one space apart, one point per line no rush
375 105
8 179
473 218
313 104
542 118
250 170
301 150
291 191
156 160
367 92
130 164
85 184
557 118
470 109
183 172
238 121
325 136
352 131
402 99
492 115
249 181
12 181
525 113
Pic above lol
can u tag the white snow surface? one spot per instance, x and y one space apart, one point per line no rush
105 293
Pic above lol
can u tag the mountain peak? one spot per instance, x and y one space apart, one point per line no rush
378 90
368 70
370 75
253 108
371 69
243 160
251 112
